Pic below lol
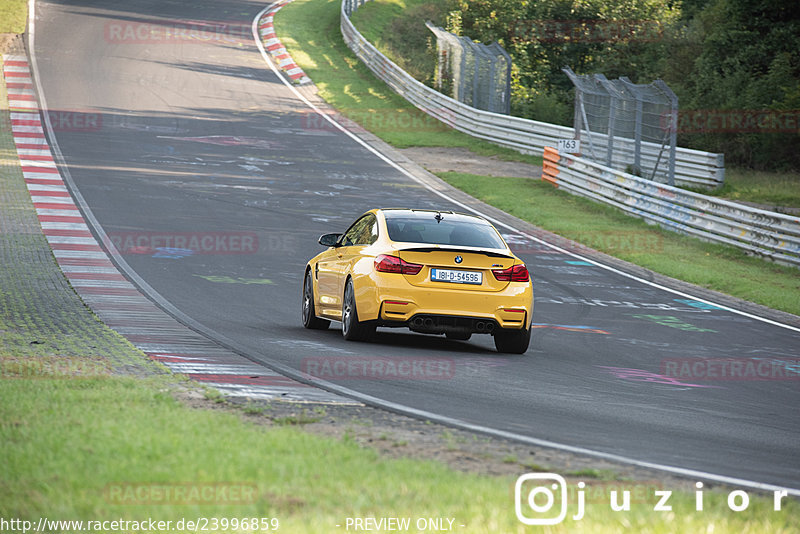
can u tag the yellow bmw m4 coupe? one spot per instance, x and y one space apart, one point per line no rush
434 272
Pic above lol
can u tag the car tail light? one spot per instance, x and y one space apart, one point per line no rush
393 264
516 273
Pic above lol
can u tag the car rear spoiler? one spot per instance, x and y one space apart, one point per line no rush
464 250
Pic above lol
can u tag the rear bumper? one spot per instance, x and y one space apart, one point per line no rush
442 324
450 309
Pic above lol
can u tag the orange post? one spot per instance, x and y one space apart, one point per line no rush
550 165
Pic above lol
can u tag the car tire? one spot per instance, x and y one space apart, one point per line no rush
310 319
352 328
512 341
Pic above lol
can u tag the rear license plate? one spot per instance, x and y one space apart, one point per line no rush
456 277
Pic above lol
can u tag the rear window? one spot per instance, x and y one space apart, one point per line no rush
451 230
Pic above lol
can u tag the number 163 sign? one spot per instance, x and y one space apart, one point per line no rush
569 146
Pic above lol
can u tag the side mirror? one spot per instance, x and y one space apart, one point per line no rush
329 240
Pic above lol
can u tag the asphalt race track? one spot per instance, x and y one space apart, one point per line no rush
170 138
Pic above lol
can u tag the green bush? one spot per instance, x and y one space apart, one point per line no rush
737 56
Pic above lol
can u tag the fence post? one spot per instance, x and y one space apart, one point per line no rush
475 63
637 135
673 126
692 167
631 116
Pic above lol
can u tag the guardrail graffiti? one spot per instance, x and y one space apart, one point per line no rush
764 233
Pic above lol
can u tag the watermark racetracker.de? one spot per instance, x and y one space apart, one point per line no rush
586 31
146 525
66 120
50 367
732 369
586 243
180 493
378 368
426 120
717 121
164 31
196 242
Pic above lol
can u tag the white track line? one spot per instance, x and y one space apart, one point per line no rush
499 433
96 279
493 220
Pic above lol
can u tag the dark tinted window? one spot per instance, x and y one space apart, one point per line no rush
363 232
450 230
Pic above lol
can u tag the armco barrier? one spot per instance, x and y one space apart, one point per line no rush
764 233
692 167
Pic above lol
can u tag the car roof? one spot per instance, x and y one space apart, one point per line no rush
426 213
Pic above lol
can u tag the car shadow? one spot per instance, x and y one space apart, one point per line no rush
395 339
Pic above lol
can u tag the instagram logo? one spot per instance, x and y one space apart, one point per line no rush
535 497
538 491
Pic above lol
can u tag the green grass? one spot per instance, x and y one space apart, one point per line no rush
101 448
310 31
13 16
82 443
609 230
397 29
305 417
772 189
76 434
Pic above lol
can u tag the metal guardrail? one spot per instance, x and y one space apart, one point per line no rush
692 167
760 232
